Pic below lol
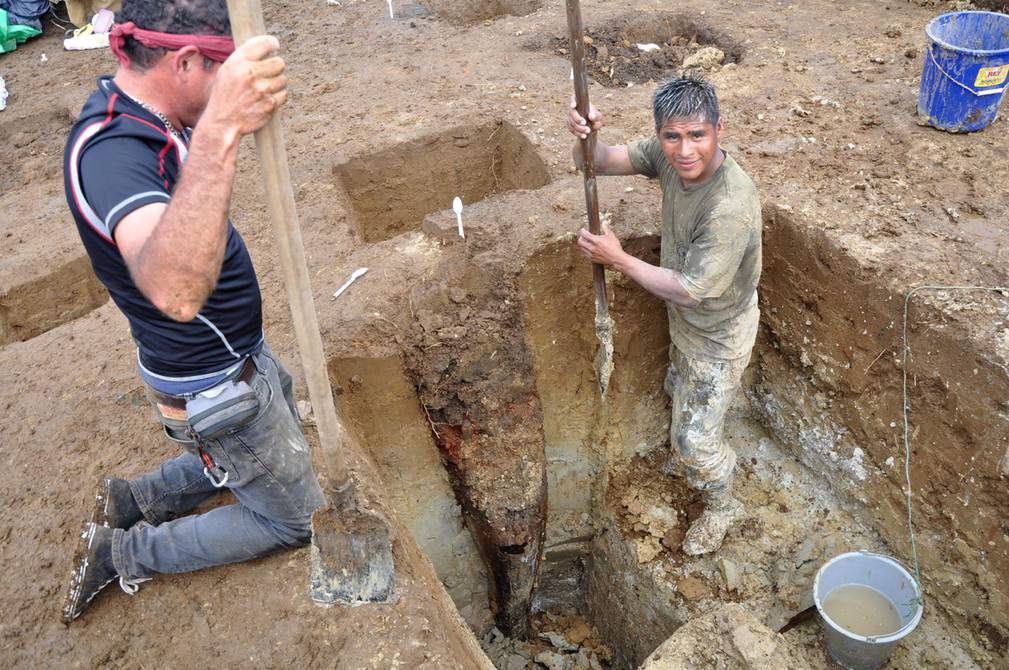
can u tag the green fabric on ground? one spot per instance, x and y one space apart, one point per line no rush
13 35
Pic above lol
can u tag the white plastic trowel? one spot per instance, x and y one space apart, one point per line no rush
457 208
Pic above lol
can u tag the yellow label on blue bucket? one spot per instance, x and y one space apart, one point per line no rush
991 76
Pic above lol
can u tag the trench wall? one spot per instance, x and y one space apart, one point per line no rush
829 385
37 305
627 601
385 413
588 565
584 432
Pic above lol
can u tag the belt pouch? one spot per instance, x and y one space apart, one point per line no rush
222 409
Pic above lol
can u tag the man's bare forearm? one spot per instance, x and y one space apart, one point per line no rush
663 283
607 160
598 156
181 260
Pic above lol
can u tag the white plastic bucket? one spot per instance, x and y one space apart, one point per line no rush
879 572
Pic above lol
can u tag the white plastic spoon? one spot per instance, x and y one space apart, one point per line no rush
457 208
353 276
391 15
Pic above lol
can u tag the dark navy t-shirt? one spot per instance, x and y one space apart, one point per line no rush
120 157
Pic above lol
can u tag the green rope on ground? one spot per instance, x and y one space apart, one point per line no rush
907 441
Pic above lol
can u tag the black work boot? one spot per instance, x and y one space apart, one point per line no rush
92 570
115 506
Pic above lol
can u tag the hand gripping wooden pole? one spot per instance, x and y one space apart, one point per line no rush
604 324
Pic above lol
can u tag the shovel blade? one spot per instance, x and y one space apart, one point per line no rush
604 355
351 559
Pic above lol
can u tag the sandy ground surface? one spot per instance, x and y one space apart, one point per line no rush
819 108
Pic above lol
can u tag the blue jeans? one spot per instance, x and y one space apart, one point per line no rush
269 467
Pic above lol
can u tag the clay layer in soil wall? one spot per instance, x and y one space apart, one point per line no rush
829 384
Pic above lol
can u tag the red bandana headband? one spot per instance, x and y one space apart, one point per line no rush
214 47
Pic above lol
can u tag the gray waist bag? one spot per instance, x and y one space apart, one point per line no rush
222 409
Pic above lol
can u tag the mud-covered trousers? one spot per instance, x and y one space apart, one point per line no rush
701 392
269 467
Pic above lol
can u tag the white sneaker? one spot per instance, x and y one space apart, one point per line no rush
85 38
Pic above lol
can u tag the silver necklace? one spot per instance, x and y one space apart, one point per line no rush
161 117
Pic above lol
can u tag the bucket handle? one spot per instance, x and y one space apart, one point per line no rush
992 91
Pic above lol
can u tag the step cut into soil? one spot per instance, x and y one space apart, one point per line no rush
68 292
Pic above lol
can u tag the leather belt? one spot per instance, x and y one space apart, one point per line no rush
177 403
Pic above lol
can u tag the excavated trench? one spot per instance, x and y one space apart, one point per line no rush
492 411
547 508
531 494
390 192
471 12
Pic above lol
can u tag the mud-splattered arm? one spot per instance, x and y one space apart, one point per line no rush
664 283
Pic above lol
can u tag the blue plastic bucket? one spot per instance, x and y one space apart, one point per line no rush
965 71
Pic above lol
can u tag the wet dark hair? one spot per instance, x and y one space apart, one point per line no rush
185 17
686 97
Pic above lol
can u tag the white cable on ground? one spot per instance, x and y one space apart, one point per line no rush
907 442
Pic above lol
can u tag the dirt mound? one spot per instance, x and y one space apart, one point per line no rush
639 50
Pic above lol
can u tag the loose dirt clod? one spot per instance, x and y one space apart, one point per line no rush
730 636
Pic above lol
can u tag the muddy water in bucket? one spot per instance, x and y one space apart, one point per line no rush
867 589
862 610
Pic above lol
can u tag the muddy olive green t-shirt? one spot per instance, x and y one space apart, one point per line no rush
711 235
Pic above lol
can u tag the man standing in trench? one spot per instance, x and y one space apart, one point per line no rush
708 272
150 198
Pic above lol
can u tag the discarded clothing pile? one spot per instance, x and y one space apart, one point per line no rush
20 20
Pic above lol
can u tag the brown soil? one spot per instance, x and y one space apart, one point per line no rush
474 379
862 204
391 192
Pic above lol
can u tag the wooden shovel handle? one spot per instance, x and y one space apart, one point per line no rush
581 81
247 22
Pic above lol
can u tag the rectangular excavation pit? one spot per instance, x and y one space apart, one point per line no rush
41 304
469 12
391 192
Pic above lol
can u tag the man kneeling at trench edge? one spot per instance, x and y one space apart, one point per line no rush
159 237
708 272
